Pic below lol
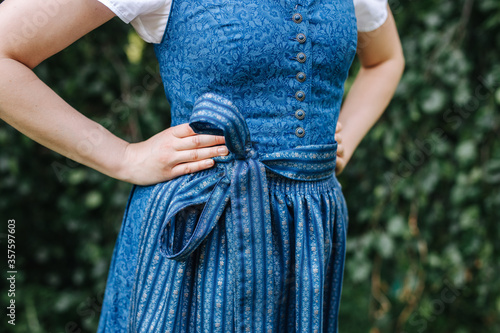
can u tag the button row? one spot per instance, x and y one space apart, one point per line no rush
300 76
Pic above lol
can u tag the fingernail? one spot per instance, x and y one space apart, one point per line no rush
209 162
222 150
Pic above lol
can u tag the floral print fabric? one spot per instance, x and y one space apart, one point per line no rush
261 250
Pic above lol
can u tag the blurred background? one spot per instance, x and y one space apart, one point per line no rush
423 188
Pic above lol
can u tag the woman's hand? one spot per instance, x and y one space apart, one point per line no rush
171 153
340 162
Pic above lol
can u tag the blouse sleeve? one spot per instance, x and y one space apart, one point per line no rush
148 17
370 14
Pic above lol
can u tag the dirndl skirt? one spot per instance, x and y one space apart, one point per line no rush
309 224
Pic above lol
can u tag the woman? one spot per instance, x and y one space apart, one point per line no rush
236 221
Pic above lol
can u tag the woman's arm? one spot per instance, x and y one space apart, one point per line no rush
33 30
382 64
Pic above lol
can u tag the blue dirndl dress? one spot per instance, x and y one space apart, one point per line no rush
257 242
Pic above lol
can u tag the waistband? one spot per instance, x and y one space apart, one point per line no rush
279 183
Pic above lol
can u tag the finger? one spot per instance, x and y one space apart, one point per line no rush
339 127
338 163
340 150
199 154
339 166
191 167
182 131
199 141
338 138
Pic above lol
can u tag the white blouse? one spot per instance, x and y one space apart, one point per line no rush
149 17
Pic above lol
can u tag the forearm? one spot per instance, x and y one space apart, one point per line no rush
367 99
34 109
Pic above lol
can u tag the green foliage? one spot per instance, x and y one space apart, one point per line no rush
422 188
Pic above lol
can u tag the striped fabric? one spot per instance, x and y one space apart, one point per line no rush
223 251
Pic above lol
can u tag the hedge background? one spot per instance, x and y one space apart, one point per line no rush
422 188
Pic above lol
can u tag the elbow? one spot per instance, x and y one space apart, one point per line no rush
400 63
3 54
8 57
10 52
6 49
393 66
397 64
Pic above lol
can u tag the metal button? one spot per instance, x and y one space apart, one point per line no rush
297 18
300 95
300 132
301 38
301 57
300 114
301 76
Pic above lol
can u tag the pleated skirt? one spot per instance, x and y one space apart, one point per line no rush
309 226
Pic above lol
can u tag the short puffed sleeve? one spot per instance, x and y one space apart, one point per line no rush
148 17
370 14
